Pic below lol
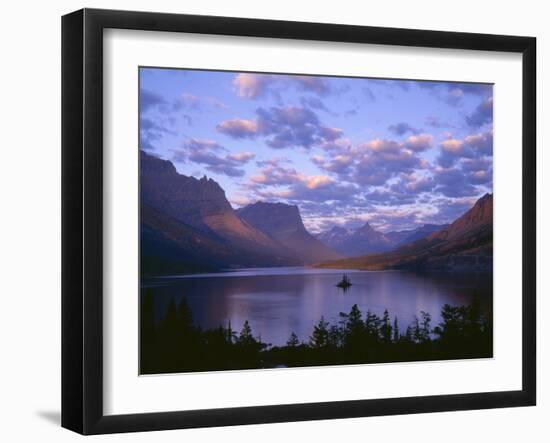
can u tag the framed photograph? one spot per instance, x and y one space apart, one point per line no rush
269 221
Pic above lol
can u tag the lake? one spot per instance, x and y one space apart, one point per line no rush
278 301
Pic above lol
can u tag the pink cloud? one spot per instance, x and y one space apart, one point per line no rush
452 146
317 181
419 142
251 85
238 128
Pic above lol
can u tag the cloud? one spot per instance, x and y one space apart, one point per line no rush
315 103
453 182
454 93
393 174
214 157
404 191
151 131
289 127
242 157
317 181
435 122
382 145
454 96
330 134
273 173
238 128
374 162
343 194
402 128
449 209
310 83
482 114
391 218
275 182
189 100
454 150
338 164
381 159
283 127
254 86
419 143
149 99
481 143
479 89
194 144
481 177
193 102
453 146
336 146
385 197
479 170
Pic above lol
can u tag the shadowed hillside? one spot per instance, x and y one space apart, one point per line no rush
187 225
465 245
283 223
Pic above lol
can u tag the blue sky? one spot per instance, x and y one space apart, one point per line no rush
395 153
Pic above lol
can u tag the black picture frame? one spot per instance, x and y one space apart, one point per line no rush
82 217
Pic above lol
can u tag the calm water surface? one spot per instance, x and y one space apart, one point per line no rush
278 301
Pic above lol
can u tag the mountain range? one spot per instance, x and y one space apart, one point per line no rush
188 225
283 223
464 245
366 240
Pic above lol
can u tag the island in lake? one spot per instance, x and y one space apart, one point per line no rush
392 261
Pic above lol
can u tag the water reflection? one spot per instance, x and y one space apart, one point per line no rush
278 301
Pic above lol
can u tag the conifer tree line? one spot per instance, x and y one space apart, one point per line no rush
175 344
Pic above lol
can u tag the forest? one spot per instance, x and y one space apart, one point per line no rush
175 344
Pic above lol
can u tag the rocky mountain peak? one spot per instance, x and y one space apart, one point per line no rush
283 223
273 217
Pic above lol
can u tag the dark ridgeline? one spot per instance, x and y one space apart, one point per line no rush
174 344
407 236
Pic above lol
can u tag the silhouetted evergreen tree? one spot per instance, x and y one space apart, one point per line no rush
409 333
231 335
385 327
319 337
452 326
245 337
395 330
335 337
372 324
185 317
293 340
174 344
425 326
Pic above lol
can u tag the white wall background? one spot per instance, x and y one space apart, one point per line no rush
30 219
